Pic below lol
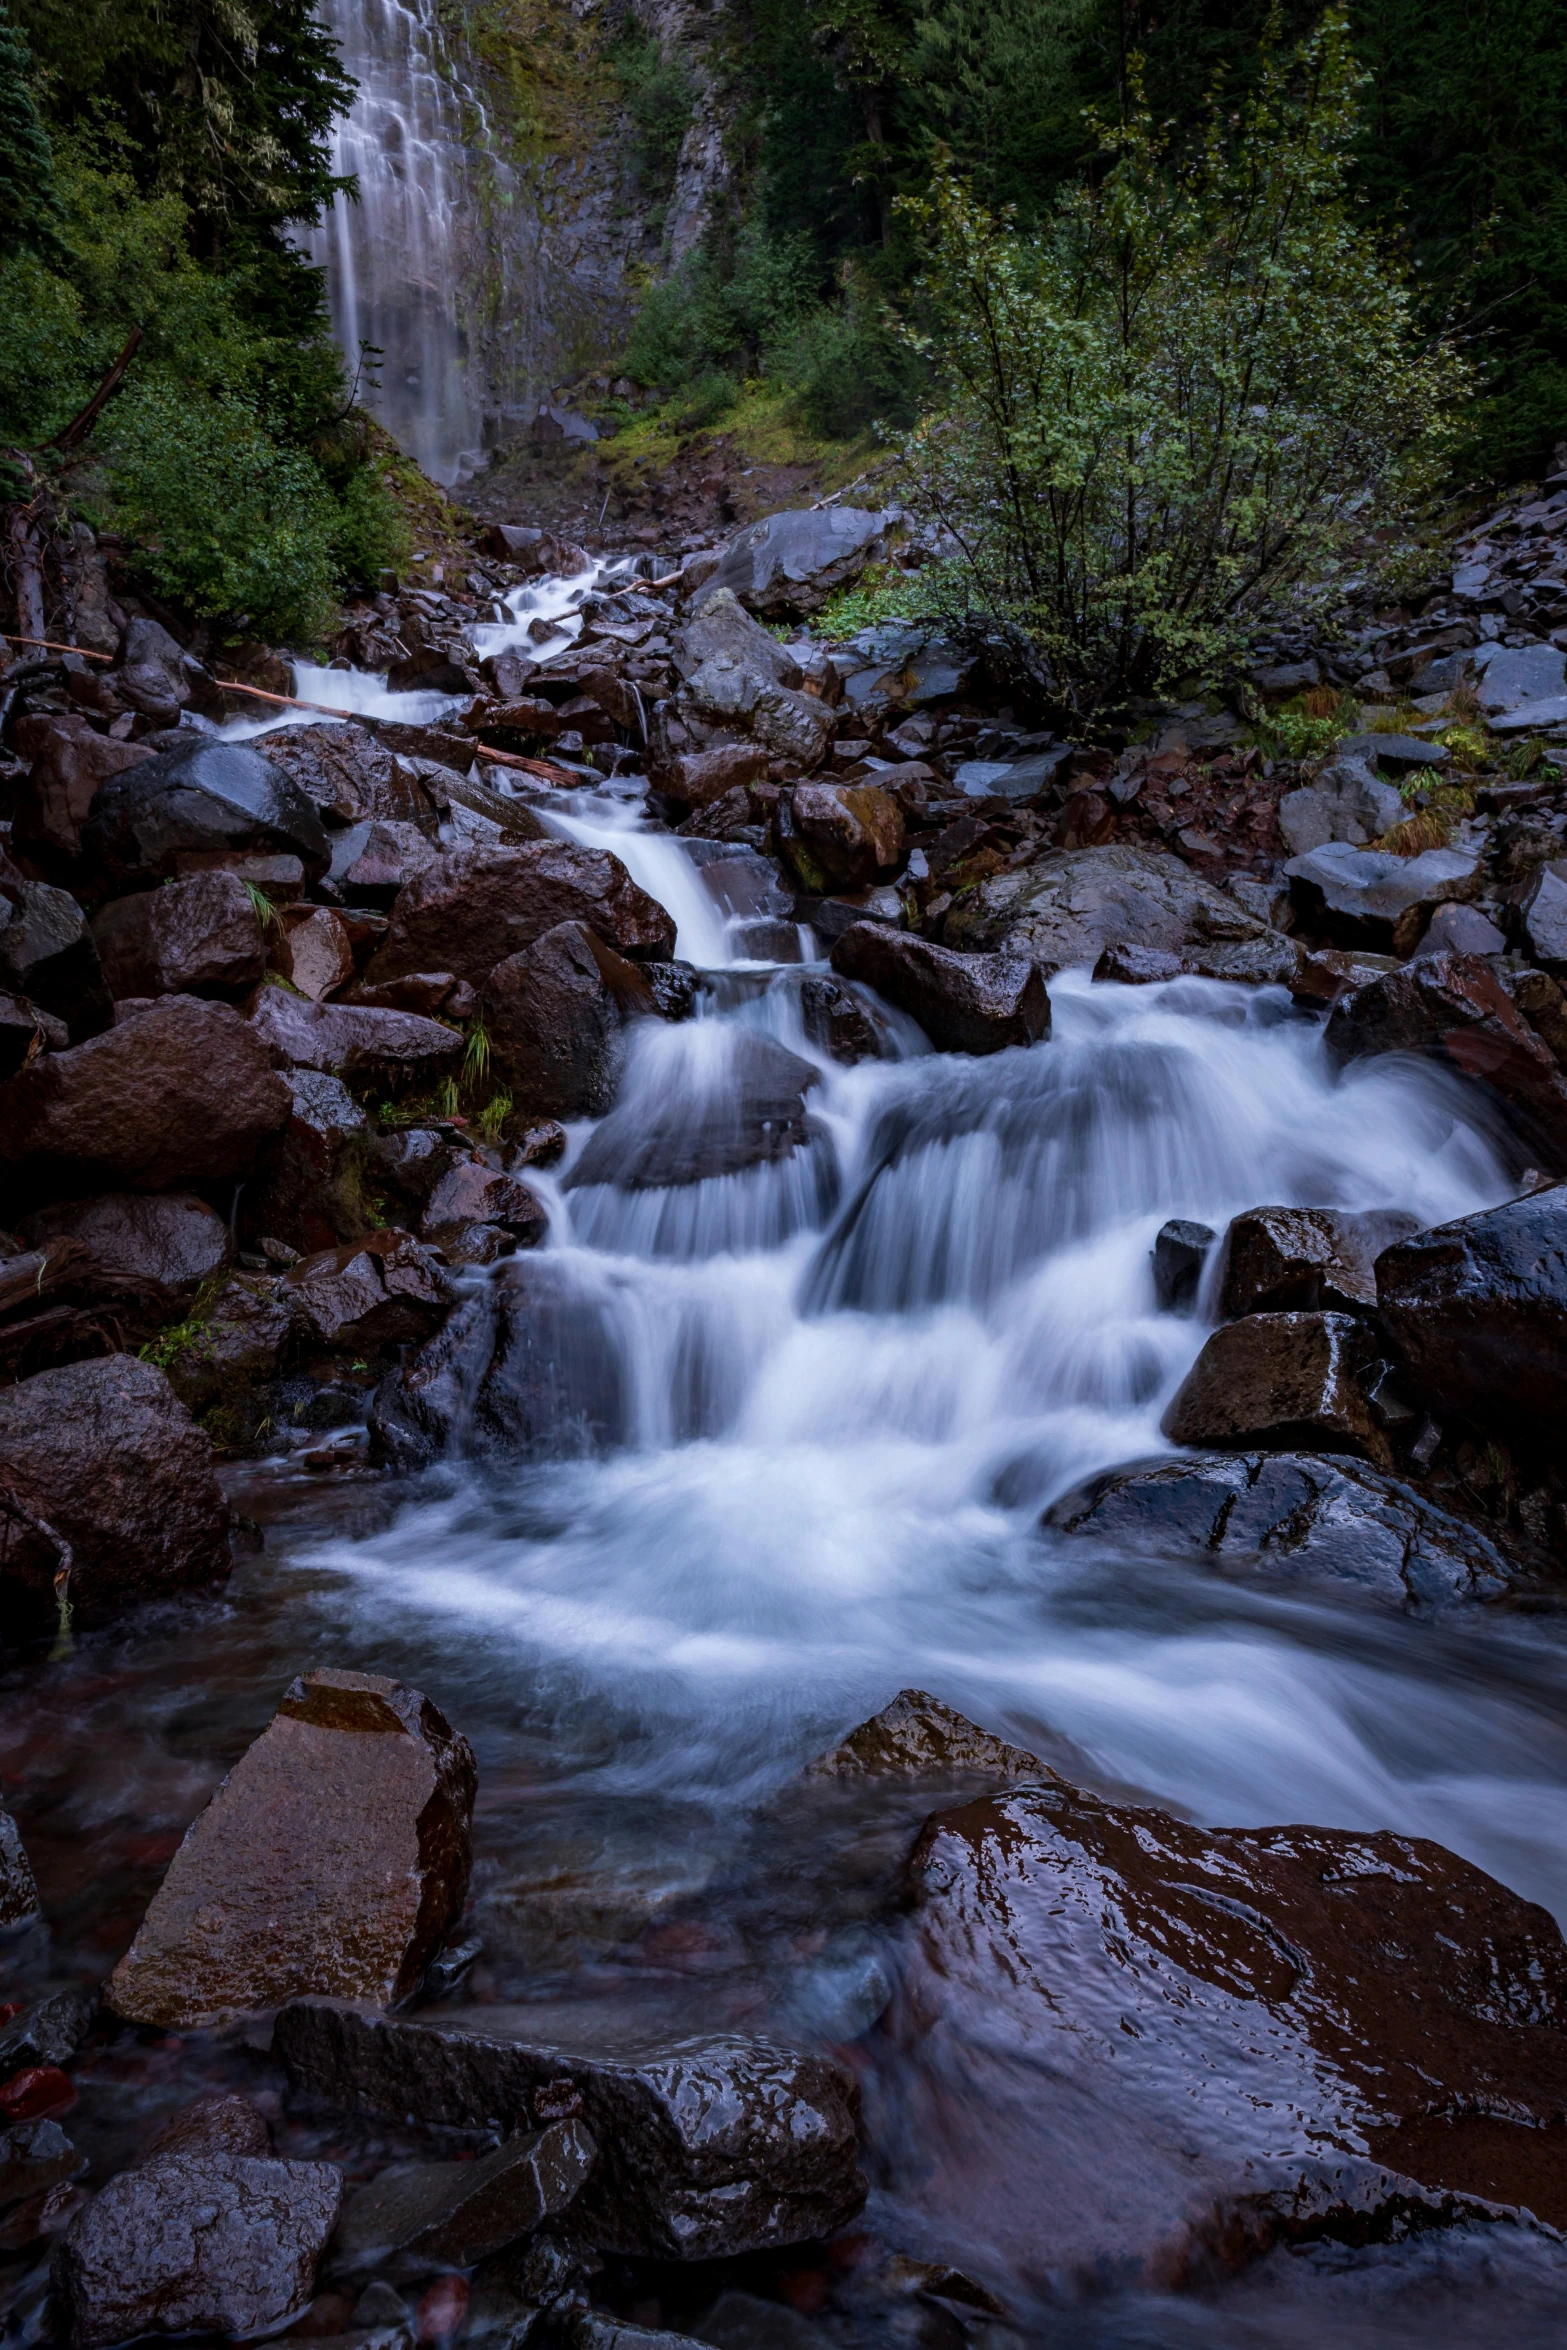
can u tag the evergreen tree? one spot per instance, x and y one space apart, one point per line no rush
29 204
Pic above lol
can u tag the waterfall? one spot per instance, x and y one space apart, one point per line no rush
394 258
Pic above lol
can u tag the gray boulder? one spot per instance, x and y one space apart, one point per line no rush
1068 908
48 956
216 799
788 565
1375 898
1543 913
1346 801
1514 676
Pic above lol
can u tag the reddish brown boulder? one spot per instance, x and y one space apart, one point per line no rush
964 1003
114 1485
57 797
314 1185
174 1239
555 1016
471 1193
1281 1381
314 951
1229 2021
384 1290
474 907
1479 1310
374 861
701 777
349 774
333 1859
422 2217
835 836
195 937
353 1040
1280 1260
25 1032
184 1092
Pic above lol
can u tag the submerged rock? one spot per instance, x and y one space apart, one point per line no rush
1290 1517
707 2147
1180 1251
1282 1380
753 1114
334 1858
965 1003
1479 1309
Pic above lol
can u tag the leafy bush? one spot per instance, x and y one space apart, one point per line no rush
659 97
732 299
371 532
848 368
1183 399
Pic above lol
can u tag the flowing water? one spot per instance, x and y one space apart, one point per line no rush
810 1414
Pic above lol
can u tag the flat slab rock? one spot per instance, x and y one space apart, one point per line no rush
421 2216
706 2146
1287 1518
1479 1309
1127 2045
334 1858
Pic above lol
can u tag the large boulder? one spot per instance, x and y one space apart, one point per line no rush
736 673
471 1197
1128 2045
174 1239
1069 907
56 800
197 2242
1286 1518
114 1485
18 1890
384 1290
1346 801
700 777
752 1113
1453 1008
1281 1381
183 1092
315 1184
966 1003
243 1337
1370 897
200 936
555 1015
1283 1260
333 1859
787 565
353 1040
1479 1311
216 799
1513 676
48 956
350 775
720 631
470 909
839 836
708 2146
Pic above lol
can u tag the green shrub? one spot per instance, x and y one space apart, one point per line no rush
659 97
371 533
733 298
848 371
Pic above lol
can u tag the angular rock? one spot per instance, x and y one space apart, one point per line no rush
197 2243
1514 676
1281 1381
34 2157
787 565
700 777
422 2216
1311 1260
752 1113
383 1290
245 1337
917 1737
213 799
104 1458
474 907
353 1040
1454 1009
55 801
195 937
720 631
1542 910
174 1239
315 1184
1373 898
555 1015
472 1193
836 1022
707 2147
1346 801
349 774
1229 2021
1478 1309
18 1891
433 994
839 835
183 1093
49 2032
1067 908
214 2125
966 1003
48 955
333 1859
1180 1251
315 952
372 862
1290 1517
794 726
25 1032
1461 930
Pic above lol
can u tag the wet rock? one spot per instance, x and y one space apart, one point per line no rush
1373 898
753 1116
197 2243
175 1240
107 1460
966 1003
719 630
836 1022
793 726
1282 1260
353 1040
315 1184
1281 1381
474 907
1542 910
788 565
1514 676
418 2217
314 952
243 1338
1543 1004
18 1892
1462 930
1067 908
555 1015
56 799
34 2157
349 774
674 987
699 778
1478 1309
372 862
333 1859
1347 801
25 1032
183 1093
213 800
472 1193
839 835
1180 1251
535 551
707 2147
1289 1517
383 1290
1453 1008
47 2033
194 937
432 994
1228 2021
48 955
917 1737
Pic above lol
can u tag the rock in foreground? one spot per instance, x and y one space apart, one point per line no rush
1282 1380
1479 1308
422 2216
964 1003
707 2147
334 1858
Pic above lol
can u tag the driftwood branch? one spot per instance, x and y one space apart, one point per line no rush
82 422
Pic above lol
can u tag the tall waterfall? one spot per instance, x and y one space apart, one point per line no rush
394 257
